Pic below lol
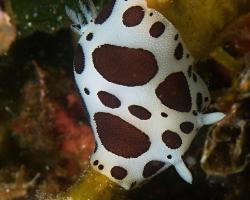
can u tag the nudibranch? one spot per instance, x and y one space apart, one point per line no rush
145 102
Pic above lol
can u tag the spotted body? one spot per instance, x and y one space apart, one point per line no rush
144 100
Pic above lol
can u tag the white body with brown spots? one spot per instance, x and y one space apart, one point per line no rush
143 99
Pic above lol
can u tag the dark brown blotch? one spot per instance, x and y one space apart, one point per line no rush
157 29
105 13
109 100
100 167
171 139
125 66
118 172
187 127
139 112
190 71
96 162
174 92
178 53
89 36
120 137
79 60
195 113
86 90
176 36
194 77
163 114
199 101
152 167
133 16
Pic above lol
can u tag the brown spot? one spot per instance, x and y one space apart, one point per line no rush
171 139
79 60
176 36
105 13
163 114
140 112
174 92
109 100
101 167
195 113
133 16
86 90
118 172
152 167
120 137
89 36
186 127
194 77
190 70
178 53
199 101
96 162
157 29
125 66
